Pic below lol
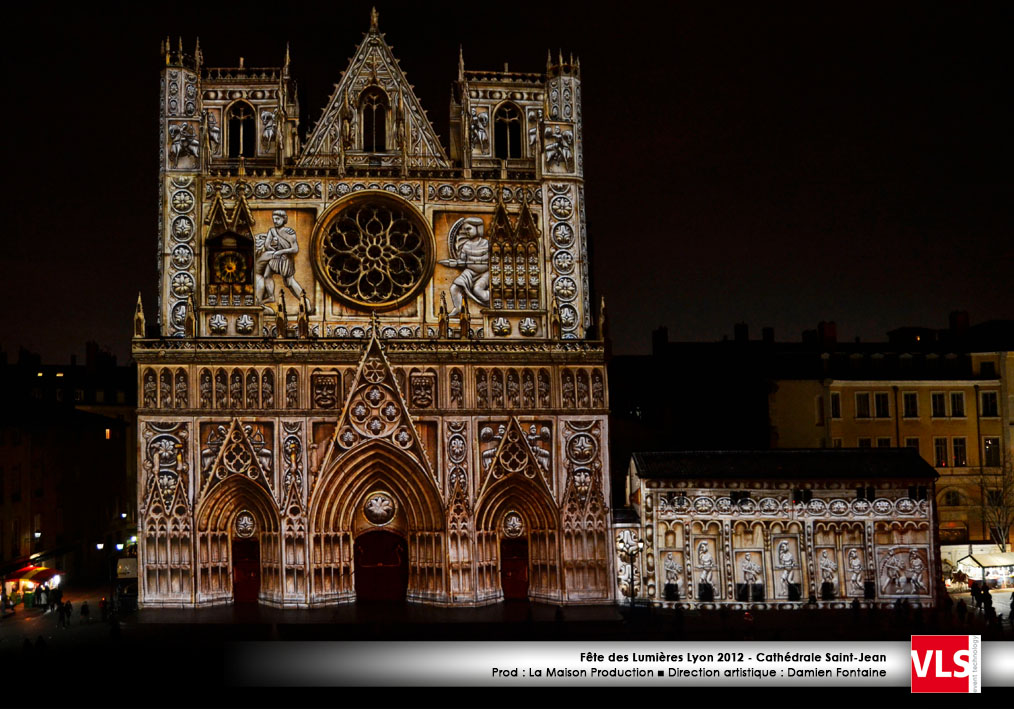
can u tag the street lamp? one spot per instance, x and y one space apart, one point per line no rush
38 534
625 544
100 546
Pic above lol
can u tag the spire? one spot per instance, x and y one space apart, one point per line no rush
286 55
139 317
560 55
198 57
549 60
374 20
461 63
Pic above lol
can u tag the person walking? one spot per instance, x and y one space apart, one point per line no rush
85 612
68 610
61 615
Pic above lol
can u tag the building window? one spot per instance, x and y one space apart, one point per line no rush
910 400
939 401
883 442
836 443
952 498
507 132
121 397
960 458
865 442
991 451
835 405
373 106
958 404
882 405
940 452
242 130
863 405
912 443
990 404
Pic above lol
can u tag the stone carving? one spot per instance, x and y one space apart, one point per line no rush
165 389
269 127
900 578
183 143
245 525
628 574
496 389
379 509
513 389
182 393
513 525
750 569
705 563
568 389
252 389
559 147
275 253
500 326
528 389
206 393
598 389
673 570
786 561
479 130
917 572
457 388
150 390
291 389
528 327
470 248
236 390
828 568
543 388
857 571
218 324
165 468
423 388
244 324
325 390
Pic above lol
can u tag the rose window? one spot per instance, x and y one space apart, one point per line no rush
375 251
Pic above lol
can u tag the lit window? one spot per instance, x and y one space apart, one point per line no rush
940 452
373 109
960 458
59 374
108 434
952 498
991 451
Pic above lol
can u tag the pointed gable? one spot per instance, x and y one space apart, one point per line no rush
242 450
333 140
376 411
514 456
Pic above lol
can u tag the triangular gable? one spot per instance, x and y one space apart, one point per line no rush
221 219
238 455
514 456
373 65
376 411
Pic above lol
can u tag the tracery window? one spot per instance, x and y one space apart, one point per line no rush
507 132
242 130
373 105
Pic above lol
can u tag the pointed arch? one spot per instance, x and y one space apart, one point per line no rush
335 515
507 131
241 130
374 111
215 521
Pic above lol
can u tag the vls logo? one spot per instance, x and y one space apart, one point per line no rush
946 663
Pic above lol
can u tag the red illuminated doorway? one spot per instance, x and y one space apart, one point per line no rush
514 568
246 570
381 566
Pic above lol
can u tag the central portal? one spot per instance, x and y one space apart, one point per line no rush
514 568
246 570
381 566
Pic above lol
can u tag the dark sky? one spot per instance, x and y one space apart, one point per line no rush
765 163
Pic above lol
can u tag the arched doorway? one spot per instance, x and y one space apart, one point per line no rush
514 568
246 570
381 566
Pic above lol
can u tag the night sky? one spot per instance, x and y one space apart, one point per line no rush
764 163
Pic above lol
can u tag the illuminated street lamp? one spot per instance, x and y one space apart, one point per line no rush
38 534
119 547
100 546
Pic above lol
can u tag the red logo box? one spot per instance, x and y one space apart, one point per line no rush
946 663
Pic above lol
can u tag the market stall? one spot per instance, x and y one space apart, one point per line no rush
21 585
995 569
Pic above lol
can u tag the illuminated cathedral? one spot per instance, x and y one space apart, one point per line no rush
376 371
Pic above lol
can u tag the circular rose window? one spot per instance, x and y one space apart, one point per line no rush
373 251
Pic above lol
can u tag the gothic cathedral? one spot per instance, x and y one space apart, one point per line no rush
376 372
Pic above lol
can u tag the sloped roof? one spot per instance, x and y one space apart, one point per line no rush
849 463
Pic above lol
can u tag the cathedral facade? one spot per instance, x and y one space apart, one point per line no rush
376 371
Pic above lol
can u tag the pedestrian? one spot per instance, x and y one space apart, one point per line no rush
84 612
68 609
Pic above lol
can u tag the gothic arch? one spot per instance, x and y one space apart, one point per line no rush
338 499
241 129
517 493
215 517
507 131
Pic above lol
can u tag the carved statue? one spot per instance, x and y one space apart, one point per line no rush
750 569
856 570
457 388
828 567
184 142
269 127
892 572
471 254
275 254
673 571
916 570
478 130
787 563
706 564
559 147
